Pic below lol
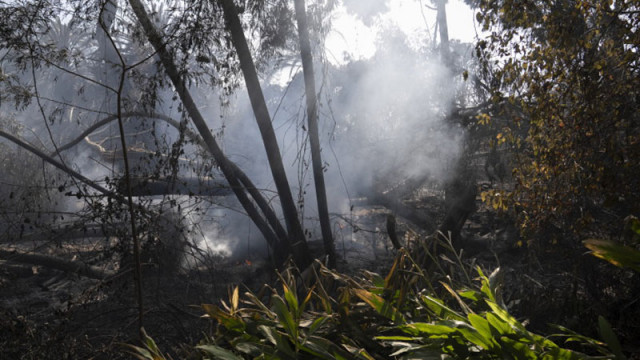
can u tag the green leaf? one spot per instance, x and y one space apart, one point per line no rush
517 349
470 294
440 309
317 323
322 348
505 316
618 255
607 334
292 301
139 353
270 334
428 329
250 348
227 320
218 352
501 326
275 338
382 306
563 354
285 317
483 328
476 338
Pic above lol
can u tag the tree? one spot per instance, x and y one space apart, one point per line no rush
571 68
203 43
312 113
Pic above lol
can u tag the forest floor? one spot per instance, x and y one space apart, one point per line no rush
50 314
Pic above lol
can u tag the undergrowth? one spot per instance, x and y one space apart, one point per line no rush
407 314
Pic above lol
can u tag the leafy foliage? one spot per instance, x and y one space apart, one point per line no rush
571 70
620 254
382 317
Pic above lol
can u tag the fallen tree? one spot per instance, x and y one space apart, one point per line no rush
73 266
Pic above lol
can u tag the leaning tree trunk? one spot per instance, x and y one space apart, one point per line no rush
314 138
297 242
231 172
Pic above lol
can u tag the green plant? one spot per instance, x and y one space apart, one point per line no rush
374 317
150 351
481 329
283 328
621 255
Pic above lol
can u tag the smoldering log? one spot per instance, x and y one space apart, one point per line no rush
189 186
77 267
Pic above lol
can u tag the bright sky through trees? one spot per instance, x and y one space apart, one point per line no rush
352 38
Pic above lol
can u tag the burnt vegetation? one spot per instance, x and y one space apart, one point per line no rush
207 179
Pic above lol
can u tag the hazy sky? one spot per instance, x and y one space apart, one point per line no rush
352 37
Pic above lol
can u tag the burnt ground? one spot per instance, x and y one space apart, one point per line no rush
51 314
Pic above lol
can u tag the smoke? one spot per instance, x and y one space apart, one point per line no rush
382 119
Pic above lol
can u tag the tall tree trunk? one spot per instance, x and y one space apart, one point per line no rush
231 172
314 138
461 191
441 19
297 241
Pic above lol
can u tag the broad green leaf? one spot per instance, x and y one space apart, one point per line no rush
476 338
482 327
218 352
505 316
440 309
270 334
292 301
275 338
517 349
379 304
470 294
501 326
151 345
322 348
228 321
317 323
618 255
607 334
427 329
563 354
250 348
486 286
140 353
285 317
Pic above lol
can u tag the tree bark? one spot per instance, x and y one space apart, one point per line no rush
441 19
296 237
314 138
